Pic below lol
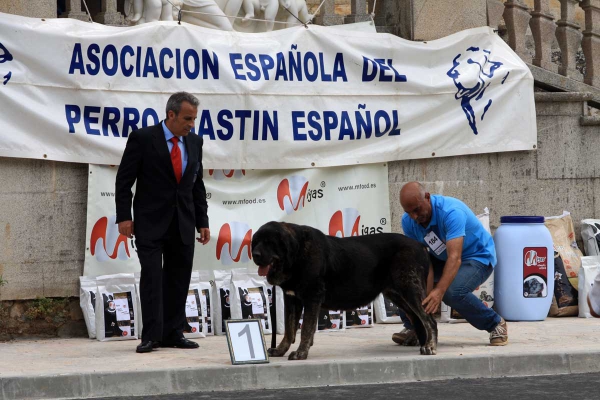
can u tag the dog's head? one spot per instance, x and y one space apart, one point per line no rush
274 247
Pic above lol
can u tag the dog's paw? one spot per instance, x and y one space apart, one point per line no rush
428 351
298 355
275 352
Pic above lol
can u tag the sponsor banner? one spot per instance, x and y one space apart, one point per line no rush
339 201
104 245
292 98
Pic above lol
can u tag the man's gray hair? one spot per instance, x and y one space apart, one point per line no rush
174 102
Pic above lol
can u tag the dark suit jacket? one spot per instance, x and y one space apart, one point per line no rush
158 196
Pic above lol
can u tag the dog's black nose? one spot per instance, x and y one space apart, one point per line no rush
256 255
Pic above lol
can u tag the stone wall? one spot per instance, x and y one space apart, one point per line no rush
562 174
29 8
42 221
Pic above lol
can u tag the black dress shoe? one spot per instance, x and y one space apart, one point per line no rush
181 343
146 346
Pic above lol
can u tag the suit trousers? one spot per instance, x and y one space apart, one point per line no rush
164 284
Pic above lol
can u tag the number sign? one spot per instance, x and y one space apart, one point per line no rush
246 341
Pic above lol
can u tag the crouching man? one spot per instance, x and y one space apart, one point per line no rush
462 254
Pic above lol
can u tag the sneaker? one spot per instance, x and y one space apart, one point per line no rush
406 337
499 336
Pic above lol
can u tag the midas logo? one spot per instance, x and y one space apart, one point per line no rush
344 223
532 259
291 193
106 242
233 243
220 174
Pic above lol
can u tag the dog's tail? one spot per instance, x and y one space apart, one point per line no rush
274 319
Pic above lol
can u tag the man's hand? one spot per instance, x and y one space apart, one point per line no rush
204 235
126 228
433 300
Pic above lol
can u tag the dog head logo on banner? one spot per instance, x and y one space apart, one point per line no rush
472 72
106 242
345 223
5 56
234 243
221 174
291 193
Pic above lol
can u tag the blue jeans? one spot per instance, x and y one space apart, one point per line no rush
460 295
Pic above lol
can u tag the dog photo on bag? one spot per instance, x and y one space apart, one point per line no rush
317 272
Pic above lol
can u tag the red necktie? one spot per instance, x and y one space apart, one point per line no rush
176 158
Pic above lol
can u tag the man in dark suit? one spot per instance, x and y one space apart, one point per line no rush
169 203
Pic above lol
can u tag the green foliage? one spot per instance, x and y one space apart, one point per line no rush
52 310
2 281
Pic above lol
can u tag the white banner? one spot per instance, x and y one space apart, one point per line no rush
339 201
292 98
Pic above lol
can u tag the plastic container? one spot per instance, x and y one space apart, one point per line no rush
524 275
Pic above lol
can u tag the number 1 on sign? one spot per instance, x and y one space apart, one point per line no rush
246 331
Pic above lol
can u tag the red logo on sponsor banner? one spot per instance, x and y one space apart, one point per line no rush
220 174
194 329
233 243
124 333
291 193
344 223
106 242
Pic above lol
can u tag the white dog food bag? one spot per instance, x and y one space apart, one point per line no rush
280 306
116 308
136 278
590 267
386 312
484 292
87 301
328 321
221 300
194 326
206 290
360 318
590 233
249 298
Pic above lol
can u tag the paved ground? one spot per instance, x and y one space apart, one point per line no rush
76 368
555 387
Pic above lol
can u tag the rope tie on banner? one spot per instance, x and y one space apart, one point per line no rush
316 11
373 11
88 11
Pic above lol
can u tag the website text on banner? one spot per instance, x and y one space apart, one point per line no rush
339 201
293 98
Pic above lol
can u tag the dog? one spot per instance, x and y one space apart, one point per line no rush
318 272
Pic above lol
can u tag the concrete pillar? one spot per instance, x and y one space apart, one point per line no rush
359 12
516 16
495 9
569 38
434 19
591 42
74 11
543 30
109 14
327 15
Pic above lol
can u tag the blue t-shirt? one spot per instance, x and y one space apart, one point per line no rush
450 219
